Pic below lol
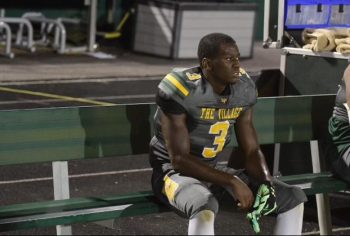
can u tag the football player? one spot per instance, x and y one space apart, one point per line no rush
198 108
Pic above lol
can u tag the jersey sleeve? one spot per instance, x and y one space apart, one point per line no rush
174 85
168 105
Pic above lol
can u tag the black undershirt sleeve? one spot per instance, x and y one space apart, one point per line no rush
168 105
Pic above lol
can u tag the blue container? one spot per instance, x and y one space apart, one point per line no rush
340 13
302 14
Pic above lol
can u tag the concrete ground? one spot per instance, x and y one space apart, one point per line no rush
46 65
87 76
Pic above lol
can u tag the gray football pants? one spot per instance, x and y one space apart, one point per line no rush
188 196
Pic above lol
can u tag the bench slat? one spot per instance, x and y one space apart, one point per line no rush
24 209
59 134
316 183
83 215
72 133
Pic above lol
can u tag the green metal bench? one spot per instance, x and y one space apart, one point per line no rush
59 135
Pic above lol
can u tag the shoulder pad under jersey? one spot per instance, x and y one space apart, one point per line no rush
178 83
242 72
245 77
251 92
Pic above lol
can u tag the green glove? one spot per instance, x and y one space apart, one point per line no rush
253 219
265 203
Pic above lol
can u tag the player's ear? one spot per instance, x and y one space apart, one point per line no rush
206 63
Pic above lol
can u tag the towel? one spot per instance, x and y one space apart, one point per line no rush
310 45
343 45
343 48
319 40
342 41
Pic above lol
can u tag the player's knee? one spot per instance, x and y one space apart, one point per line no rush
206 203
299 195
289 197
211 203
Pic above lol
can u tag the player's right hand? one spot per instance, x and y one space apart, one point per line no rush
265 203
242 193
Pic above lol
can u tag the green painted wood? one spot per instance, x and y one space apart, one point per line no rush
51 134
139 206
42 214
42 207
330 186
316 183
294 179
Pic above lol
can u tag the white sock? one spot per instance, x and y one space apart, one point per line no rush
290 222
202 223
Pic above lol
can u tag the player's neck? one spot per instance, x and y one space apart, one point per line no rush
218 88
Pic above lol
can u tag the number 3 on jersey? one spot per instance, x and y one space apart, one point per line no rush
219 129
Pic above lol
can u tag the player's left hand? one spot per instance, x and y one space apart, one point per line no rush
265 203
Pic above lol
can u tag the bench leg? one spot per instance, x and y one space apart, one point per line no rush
322 200
276 160
61 190
323 213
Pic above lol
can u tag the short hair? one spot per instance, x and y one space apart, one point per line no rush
210 44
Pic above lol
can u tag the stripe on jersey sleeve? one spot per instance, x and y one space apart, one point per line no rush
177 84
